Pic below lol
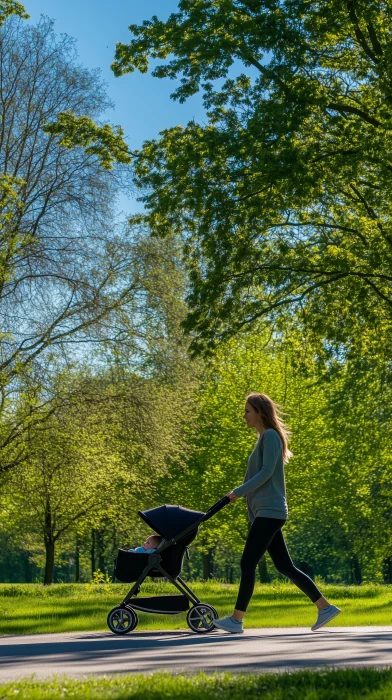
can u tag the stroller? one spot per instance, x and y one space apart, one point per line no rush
178 527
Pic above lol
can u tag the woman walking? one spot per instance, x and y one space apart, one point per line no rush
265 492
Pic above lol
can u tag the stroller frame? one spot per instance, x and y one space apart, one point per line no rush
123 618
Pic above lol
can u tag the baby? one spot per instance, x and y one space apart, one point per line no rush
149 545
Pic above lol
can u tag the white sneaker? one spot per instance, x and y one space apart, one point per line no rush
325 616
229 625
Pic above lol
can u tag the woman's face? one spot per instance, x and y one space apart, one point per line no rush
251 416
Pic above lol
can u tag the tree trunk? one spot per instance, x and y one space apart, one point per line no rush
263 571
356 574
387 569
228 573
99 541
208 565
92 552
49 561
49 544
28 575
77 561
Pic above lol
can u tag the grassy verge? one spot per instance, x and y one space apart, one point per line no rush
27 609
303 685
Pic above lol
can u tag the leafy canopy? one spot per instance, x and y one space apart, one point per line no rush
104 142
284 197
10 7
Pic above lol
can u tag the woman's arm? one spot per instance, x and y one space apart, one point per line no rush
271 449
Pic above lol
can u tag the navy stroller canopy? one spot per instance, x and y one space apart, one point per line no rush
170 521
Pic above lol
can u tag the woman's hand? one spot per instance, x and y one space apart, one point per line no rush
232 496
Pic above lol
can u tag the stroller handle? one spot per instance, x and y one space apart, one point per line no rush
216 508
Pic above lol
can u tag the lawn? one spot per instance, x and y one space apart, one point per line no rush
302 685
32 608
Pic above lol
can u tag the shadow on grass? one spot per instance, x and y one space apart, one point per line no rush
283 606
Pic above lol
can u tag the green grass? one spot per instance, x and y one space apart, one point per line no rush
27 609
302 685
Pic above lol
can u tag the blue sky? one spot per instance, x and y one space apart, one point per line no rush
142 104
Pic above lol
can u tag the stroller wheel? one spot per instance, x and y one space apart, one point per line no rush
122 620
200 618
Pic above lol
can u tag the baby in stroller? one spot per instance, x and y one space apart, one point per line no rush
149 546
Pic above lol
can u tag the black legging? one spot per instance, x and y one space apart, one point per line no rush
266 535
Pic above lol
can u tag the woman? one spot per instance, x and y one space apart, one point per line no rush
265 491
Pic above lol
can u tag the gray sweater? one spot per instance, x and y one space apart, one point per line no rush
264 484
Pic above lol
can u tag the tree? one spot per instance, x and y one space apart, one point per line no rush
70 474
67 270
90 464
283 198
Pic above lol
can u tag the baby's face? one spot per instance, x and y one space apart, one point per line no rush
149 543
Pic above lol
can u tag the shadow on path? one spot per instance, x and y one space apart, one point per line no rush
175 651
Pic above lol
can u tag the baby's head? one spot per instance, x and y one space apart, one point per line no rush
152 542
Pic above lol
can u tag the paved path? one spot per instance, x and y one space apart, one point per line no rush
273 649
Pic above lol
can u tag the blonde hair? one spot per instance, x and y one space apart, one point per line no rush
270 414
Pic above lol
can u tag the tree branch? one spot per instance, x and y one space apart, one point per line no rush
309 271
339 107
323 225
292 300
374 39
358 33
378 291
372 214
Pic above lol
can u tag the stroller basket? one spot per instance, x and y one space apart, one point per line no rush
164 604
